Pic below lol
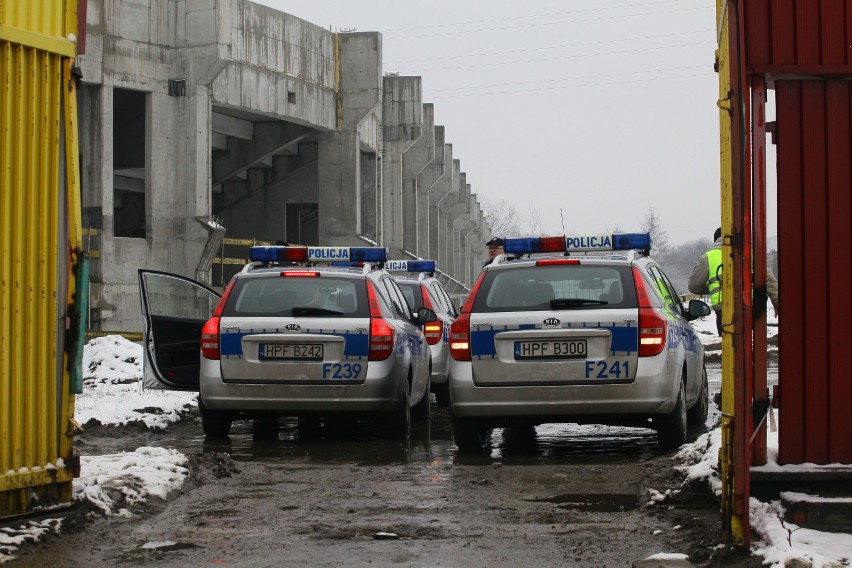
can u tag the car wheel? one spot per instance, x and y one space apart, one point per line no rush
399 422
442 394
469 435
422 411
671 428
215 423
265 427
697 415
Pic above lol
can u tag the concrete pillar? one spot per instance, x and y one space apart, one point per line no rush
443 184
444 206
454 206
341 208
415 198
402 117
427 181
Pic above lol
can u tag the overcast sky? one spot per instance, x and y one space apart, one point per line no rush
598 108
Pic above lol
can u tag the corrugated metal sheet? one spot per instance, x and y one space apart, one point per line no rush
34 396
815 264
799 37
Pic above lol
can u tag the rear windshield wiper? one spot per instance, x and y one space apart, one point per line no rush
575 302
312 311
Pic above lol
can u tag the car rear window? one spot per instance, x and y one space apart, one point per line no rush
412 293
323 296
535 288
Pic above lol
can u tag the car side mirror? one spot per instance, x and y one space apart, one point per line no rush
697 309
425 315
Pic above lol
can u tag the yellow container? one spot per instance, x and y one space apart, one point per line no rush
39 252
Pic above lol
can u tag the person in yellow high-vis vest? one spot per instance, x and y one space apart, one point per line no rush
706 280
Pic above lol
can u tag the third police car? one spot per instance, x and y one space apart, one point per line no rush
416 279
574 335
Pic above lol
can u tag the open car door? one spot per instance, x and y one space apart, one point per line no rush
174 309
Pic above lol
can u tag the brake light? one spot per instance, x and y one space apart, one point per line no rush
652 326
210 338
382 334
210 330
301 273
433 330
557 261
460 338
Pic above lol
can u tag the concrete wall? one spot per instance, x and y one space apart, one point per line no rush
249 110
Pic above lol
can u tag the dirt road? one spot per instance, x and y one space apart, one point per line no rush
562 496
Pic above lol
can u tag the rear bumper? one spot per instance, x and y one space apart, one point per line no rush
376 394
651 393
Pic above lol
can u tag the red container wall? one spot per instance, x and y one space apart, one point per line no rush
798 36
814 120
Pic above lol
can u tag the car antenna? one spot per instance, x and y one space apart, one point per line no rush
561 216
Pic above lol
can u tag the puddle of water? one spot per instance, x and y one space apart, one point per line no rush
595 503
362 444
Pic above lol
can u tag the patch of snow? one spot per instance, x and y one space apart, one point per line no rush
668 556
11 538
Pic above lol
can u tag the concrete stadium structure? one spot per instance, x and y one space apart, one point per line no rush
206 125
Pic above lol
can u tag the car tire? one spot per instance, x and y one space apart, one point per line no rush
671 428
422 411
442 394
697 415
399 422
469 435
215 423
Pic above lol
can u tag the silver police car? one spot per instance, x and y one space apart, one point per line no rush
417 281
593 337
290 339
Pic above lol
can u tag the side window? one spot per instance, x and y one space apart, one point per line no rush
400 306
665 290
451 307
438 302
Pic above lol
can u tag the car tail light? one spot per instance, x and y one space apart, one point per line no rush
460 329
382 334
652 326
301 274
460 338
210 330
433 330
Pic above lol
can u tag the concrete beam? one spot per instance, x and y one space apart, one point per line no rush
232 126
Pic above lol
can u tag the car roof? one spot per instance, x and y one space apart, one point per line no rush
509 261
257 270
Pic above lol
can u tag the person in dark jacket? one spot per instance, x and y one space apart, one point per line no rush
495 248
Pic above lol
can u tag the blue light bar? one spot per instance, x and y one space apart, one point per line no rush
318 254
631 241
412 265
526 245
368 254
578 243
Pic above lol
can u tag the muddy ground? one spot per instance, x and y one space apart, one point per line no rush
565 496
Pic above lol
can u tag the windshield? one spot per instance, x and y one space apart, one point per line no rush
324 296
565 287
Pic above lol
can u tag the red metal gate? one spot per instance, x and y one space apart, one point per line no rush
815 263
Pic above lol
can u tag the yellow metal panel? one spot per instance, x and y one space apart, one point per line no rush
35 404
46 17
726 456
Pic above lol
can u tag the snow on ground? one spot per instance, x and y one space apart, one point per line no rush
113 483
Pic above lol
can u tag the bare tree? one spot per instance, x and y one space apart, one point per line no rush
502 217
659 236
